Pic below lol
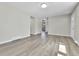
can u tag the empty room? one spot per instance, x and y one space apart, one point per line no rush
39 29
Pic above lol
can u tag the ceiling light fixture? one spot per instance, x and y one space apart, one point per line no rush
43 5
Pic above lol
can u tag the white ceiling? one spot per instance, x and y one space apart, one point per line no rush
53 8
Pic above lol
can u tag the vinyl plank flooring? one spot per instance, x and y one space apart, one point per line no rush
36 46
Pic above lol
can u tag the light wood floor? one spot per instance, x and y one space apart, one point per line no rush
35 46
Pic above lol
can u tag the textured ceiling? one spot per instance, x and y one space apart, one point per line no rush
53 8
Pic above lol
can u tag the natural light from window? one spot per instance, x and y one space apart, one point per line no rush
62 50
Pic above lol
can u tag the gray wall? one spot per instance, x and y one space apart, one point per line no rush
75 15
59 25
14 23
35 26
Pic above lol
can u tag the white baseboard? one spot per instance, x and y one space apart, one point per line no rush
36 33
59 35
14 38
76 42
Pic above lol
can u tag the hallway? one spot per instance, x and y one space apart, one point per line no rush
35 46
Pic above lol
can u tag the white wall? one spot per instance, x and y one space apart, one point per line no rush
77 24
13 23
35 25
32 25
75 15
59 25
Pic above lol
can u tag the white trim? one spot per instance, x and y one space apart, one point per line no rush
36 33
59 34
72 25
76 42
14 38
